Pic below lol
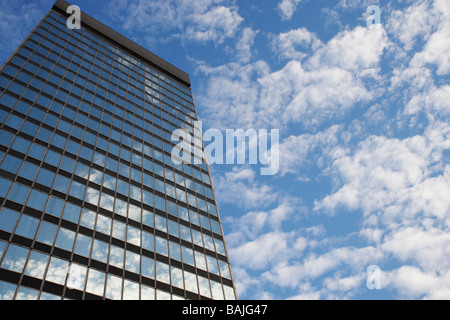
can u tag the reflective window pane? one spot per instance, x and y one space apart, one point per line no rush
113 287
57 270
8 219
36 265
132 262
130 290
83 245
96 282
116 256
65 239
27 226
77 276
15 258
7 290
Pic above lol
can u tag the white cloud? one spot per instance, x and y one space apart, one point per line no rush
203 21
412 282
433 103
258 253
355 50
305 291
345 284
436 52
17 19
244 45
321 94
214 24
240 188
316 265
287 8
424 246
288 44
326 85
410 24
297 152
425 27
395 176
230 95
352 4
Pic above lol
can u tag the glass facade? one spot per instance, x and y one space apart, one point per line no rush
91 205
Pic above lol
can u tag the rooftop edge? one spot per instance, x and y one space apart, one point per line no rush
127 43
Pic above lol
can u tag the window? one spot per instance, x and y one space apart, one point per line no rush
8 219
160 203
134 212
15 258
111 164
212 265
92 196
8 100
114 287
54 206
130 290
175 251
46 233
18 193
30 128
61 184
103 224
83 245
116 257
119 230
59 141
82 170
37 263
6 184
77 190
57 270
21 145
173 228
148 267
177 277
45 177
52 158
88 219
100 251
162 272
219 246
72 213
147 216
160 223
67 164
6 138
190 281
203 284
122 187
77 276
11 164
65 239
37 200
132 262
133 235
161 246
185 233
28 171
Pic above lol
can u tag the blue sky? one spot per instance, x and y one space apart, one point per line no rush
363 115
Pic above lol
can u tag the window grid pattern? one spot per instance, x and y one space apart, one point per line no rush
87 182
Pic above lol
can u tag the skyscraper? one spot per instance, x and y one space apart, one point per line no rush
91 204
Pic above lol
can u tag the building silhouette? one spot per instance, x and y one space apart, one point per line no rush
91 205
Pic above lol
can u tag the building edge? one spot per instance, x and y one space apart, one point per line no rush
126 44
